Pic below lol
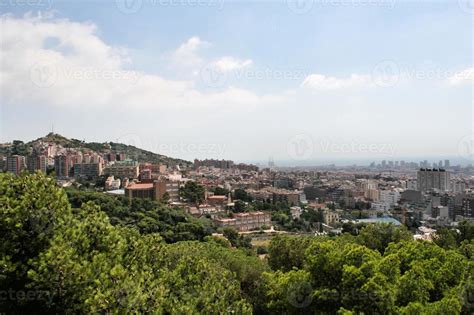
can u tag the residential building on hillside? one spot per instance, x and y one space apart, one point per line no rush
15 164
36 163
63 166
126 169
88 170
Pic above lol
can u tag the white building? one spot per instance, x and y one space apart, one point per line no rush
389 197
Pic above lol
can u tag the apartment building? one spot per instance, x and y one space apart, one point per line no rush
330 217
245 221
88 170
155 190
127 169
63 166
15 164
289 197
431 179
36 163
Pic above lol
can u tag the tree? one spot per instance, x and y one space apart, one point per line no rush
32 209
241 194
192 192
219 191
237 240
288 293
239 206
445 238
286 253
377 236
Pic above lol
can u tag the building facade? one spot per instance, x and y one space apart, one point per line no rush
155 190
246 221
433 179
15 164
63 166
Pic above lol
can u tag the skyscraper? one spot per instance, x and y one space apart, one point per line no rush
429 179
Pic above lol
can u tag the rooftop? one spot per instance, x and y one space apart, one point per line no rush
140 186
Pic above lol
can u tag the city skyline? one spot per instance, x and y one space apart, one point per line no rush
299 83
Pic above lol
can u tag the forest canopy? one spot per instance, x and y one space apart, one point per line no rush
84 253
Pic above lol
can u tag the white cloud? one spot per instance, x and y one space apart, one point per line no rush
187 53
231 64
54 62
462 77
322 82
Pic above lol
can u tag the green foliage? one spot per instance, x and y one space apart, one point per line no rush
236 240
453 237
241 194
286 253
74 260
288 293
239 206
219 191
145 215
381 271
84 264
192 192
378 236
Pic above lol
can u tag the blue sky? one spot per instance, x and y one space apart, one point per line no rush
244 80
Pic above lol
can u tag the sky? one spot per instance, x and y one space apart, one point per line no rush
298 81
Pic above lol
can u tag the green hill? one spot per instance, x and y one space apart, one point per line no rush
131 152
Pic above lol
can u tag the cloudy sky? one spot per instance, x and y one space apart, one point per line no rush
243 80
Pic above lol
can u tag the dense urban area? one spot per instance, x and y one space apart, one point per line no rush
107 227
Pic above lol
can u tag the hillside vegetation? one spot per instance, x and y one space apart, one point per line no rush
131 152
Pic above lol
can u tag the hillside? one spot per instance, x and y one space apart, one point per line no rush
132 152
